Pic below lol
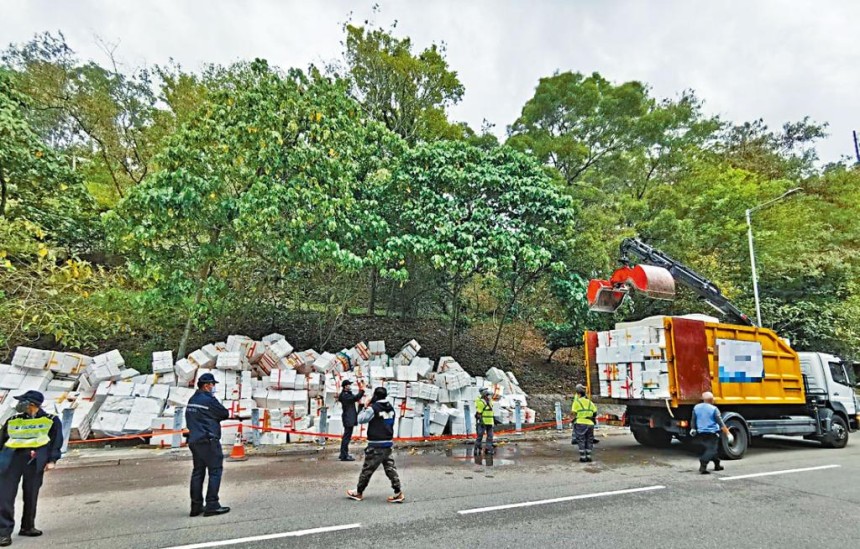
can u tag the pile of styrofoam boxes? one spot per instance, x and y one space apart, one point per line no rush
631 360
291 388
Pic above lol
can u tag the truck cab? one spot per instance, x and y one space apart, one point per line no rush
830 383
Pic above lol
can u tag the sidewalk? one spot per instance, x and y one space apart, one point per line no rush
100 457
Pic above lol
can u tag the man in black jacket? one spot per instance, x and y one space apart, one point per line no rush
348 400
203 417
31 442
380 418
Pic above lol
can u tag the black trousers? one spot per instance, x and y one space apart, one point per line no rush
584 435
21 467
208 457
373 458
710 444
344 441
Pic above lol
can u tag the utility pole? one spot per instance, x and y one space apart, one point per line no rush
856 147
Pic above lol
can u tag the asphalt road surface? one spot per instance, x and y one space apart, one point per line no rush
785 493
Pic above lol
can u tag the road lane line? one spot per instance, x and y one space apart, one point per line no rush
783 472
293 534
559 500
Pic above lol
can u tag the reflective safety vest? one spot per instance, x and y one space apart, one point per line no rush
484 410
27 432
585 411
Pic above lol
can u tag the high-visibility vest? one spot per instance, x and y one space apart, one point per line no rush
585 411
484 410
27 432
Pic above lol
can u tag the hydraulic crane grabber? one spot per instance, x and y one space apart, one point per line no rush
655 277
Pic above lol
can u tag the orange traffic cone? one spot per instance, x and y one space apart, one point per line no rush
238 451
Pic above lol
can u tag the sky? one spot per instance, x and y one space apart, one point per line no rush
776 60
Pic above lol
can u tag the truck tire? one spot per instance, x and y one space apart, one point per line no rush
738 448
837 437
653 438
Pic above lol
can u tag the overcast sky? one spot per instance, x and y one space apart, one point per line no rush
777 60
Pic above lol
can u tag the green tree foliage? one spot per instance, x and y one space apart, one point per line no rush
266 172
475 212
408 92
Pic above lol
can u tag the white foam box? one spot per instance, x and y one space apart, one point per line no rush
167 379
141 390
160 392
129 373
179 396
61 385
404 427
604 388
376 348
162 362
604 355
201 359
440 415
396 389
108 424
657 366
422 365
165 423
185 370
603 339
436 429
229 361
325 362
458 425
12 380
616 389
407 373
281 348
121 388
261 397
282 379
271 338
112 358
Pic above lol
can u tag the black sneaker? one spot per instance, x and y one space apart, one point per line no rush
30 532
218 511
196 512
347 458
718 467
5 541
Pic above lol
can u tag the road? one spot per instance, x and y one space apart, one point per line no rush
630 497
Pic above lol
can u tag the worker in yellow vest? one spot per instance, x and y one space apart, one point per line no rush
30 443
585 416
484 421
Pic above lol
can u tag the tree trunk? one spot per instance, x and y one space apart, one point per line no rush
2 193
374 280
455 316
551 353
205 271
502 324
183 343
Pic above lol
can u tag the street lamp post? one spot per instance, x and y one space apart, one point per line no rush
752 252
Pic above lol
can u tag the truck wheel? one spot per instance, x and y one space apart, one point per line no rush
738 448
837 437
653 438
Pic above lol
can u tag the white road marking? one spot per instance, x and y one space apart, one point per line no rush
783 472
294 534
559 500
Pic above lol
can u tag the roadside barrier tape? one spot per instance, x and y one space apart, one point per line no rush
265 429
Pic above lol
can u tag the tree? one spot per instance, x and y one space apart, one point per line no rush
266 173
408 92
473 211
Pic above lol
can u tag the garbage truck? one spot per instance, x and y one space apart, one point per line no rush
659 367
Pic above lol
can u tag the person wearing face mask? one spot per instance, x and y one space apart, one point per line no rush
30 443
203 417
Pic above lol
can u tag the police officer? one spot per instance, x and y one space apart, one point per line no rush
348 400
484 420
585 415
31 443
203 417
